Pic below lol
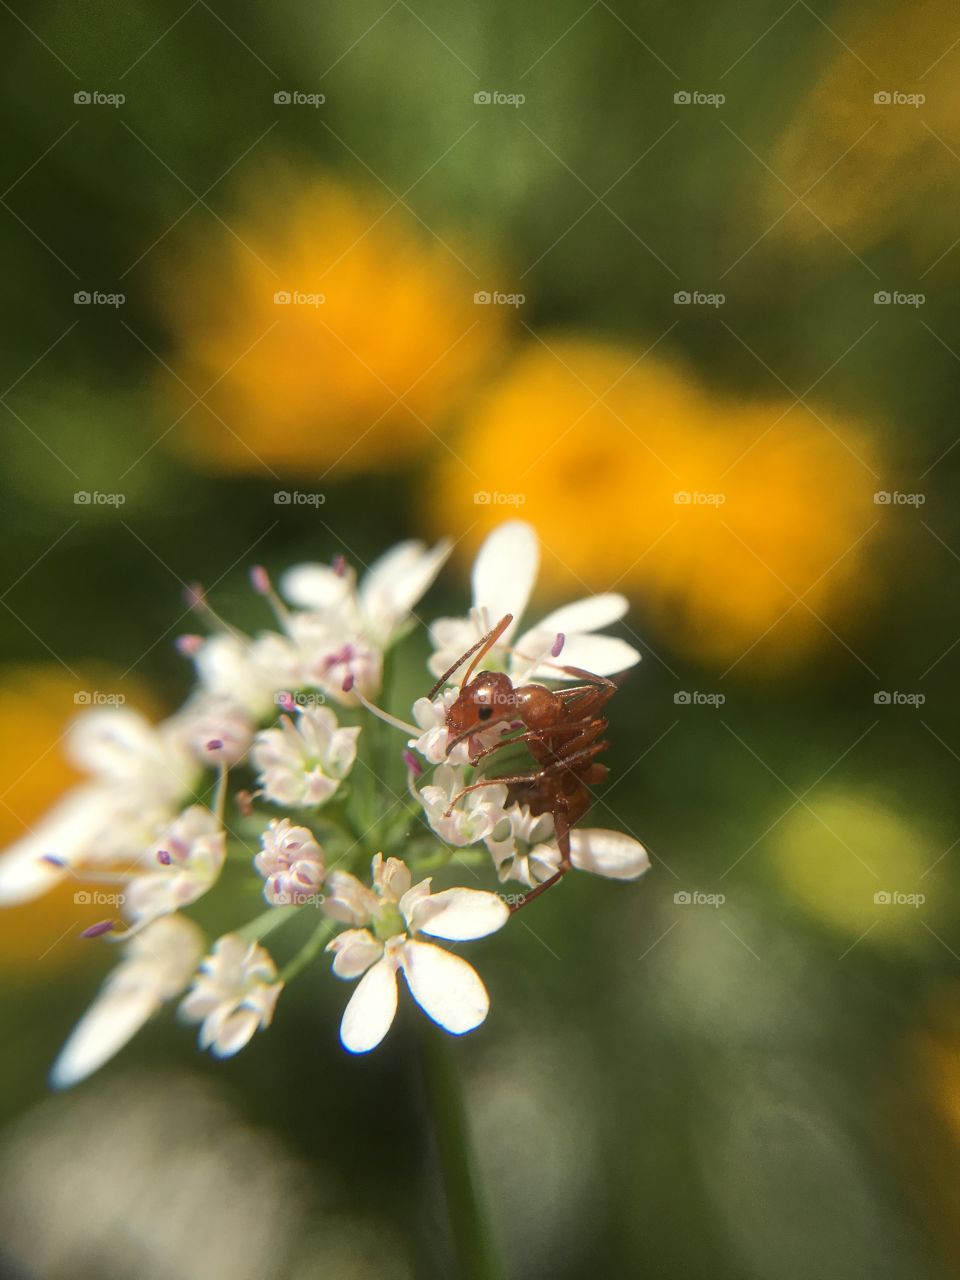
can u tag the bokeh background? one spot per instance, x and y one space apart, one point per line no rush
679 286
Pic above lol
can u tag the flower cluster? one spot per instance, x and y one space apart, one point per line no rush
285 721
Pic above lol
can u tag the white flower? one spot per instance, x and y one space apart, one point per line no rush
140 776
472 818
229 670
380 608
445 986
157 965
612 854
187 858
291 862
321 651
517 846
503 577
205 719
233 996
302 764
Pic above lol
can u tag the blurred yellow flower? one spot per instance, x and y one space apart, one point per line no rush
873 142
731 521
329 330
858 866
36 705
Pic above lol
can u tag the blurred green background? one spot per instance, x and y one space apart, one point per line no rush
748 1064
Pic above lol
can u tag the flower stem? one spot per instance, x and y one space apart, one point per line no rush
310 950
465 1204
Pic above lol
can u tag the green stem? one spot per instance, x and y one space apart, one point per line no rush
465 1206
310 950
258 928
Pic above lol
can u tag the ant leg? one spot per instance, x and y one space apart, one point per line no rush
570 726
549 771
563 844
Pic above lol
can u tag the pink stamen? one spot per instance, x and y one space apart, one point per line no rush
189 646
286 701
195 596
215 744
260 580
412 763
339 566
163 857
347 682
96 930
558 645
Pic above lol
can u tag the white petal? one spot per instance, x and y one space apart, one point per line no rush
355 950
601 655
113 743
316 586
367 1018
235 1031
394 583
114 1018
66 831
445 987
505 571
608 853
589 614
460 914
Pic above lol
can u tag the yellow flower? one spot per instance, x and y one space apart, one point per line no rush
331 330
717 514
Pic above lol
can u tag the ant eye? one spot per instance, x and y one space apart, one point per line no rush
484 713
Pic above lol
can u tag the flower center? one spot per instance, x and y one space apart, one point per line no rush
389 922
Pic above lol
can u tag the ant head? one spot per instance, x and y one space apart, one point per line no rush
488 697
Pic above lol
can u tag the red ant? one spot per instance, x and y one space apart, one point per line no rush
562 731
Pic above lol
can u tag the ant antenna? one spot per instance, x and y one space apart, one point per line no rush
484 646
